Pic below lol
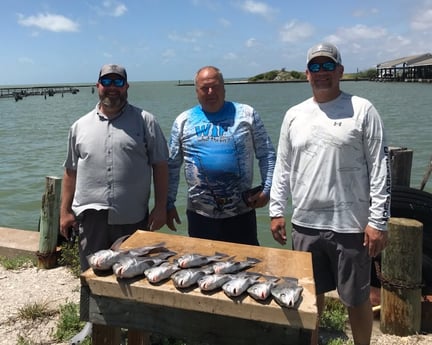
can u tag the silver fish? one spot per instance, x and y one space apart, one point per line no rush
197 260
261 291
104 259
211 282
231 266
159 273
189 276
236 286
287 293
131 266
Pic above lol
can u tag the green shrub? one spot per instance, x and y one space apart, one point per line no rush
69 323
334 315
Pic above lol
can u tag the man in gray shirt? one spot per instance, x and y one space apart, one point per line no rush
114 151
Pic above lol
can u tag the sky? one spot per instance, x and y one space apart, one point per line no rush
63 41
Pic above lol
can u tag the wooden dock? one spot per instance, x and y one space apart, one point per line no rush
20 92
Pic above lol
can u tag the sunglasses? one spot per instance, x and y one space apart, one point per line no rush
328 66
108 82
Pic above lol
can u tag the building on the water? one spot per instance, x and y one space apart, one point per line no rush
415 68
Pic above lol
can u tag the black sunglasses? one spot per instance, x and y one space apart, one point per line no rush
328 66
108 82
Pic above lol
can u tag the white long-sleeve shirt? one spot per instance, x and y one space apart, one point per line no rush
332 161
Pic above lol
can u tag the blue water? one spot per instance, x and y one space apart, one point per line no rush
33 133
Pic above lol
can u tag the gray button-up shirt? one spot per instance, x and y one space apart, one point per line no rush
113 160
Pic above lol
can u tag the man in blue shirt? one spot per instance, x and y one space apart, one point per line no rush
217 141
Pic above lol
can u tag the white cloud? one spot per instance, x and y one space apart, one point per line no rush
168 55
422 20
259 8
189 37
225 23
364 32
50 22
230 56
365 12
113 8
295 31
26 60
251 42
357 33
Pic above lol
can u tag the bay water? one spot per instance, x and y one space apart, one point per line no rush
33 133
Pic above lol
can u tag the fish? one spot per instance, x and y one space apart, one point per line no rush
261 291
161 272
189 276
211 282
197 260
104 259
236 286
131 266
287 293
231 266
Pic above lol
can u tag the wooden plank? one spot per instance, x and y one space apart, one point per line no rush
195 327
276 262
105 335
16 242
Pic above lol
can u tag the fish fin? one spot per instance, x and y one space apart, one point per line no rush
222 255
253 260
290 280
117 243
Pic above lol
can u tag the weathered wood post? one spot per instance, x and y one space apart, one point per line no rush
49 223
401 277
401 162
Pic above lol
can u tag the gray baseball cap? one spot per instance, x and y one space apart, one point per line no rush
324 49
113 69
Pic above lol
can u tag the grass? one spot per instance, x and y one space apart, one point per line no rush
35 310
70 258
17 262
69 323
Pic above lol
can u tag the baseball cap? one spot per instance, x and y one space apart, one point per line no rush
113 69
324 49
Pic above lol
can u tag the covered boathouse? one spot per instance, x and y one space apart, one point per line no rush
415 68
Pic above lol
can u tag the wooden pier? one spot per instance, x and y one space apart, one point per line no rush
20 92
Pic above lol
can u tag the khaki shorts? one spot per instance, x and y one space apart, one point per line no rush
339 260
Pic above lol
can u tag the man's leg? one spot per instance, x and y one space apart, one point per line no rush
361 322
320 307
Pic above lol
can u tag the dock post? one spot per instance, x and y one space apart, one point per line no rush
401 162
49 223
401 277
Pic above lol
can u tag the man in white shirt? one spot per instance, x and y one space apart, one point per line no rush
333 163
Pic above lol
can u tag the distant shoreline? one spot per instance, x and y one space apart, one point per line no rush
246 82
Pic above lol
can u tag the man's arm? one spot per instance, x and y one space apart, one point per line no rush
67 217
157 217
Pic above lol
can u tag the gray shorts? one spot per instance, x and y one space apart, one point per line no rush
339 261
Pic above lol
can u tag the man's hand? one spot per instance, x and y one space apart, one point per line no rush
67 221
258 200
172 216
375 240
277 227
157 218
